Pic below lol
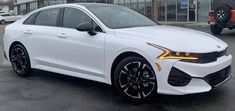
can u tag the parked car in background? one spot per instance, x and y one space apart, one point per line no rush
8 17
222 16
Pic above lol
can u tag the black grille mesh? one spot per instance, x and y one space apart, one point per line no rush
218 77
207 57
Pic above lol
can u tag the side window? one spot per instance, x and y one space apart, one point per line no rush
47 17
73 17
5 15
30 19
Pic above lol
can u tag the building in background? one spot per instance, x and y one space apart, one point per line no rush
5 6
160 10
182 10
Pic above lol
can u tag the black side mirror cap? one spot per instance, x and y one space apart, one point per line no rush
86 27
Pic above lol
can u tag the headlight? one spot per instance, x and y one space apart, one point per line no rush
169 54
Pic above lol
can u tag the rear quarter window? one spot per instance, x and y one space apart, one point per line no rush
31 19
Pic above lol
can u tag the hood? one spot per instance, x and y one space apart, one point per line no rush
174 38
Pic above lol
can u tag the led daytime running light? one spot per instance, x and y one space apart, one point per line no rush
167 54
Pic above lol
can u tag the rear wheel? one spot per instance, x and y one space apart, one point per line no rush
135 79
20 60
216 30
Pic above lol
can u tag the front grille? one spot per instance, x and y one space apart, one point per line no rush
178 78
218 77
208 57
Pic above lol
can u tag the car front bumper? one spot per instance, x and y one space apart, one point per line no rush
199 76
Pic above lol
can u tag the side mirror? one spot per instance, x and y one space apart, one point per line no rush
86 27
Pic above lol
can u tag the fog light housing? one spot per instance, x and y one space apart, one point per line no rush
178 78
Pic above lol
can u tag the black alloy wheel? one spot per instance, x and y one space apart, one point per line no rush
222 14
135 79
20 60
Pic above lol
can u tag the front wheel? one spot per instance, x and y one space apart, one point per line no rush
216 30
20 61
135 79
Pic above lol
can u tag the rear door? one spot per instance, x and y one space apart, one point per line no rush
39 31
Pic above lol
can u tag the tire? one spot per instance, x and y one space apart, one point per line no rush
3 22
20 60
216 30
135 79
222 14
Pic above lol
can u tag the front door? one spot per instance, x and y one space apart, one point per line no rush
79 51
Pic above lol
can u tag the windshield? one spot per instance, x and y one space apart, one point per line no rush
117 17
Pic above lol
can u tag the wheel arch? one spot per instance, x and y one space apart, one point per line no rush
27 69
12 45
120 57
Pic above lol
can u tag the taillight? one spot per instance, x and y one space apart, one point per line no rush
211 13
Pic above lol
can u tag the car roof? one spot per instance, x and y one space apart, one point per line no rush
80 5
94 4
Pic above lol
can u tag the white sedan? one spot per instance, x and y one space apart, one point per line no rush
117 46
8 17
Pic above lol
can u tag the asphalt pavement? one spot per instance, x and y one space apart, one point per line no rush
45 91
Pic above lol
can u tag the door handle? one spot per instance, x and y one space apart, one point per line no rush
28 32
62 35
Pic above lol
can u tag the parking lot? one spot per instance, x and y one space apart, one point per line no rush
45 91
